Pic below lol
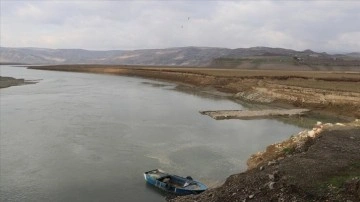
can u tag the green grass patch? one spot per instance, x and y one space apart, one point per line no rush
338 180
335 183
289 150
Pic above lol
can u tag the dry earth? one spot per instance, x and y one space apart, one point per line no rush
332 91
252 114
311 166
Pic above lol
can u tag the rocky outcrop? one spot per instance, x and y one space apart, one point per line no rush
295 144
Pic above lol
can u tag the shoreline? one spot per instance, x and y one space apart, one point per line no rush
310 166
6 82
252 114
334 92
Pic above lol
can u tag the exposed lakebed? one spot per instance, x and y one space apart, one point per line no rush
89 137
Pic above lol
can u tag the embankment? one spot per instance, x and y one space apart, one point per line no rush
310 166
335 92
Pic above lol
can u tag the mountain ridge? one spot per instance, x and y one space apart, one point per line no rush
175 56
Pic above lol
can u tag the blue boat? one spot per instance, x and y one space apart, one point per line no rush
173 183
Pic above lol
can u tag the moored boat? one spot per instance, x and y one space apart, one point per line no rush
173 183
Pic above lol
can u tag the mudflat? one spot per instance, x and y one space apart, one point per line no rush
252 114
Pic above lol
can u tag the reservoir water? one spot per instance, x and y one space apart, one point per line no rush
89 137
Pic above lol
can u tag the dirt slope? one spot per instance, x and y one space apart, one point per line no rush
328 170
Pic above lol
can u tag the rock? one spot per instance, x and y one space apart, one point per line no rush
251 196
271 162
311 133
280 158
284 177
271 185
317 130
262 168
328 124
271 177
274 176
255 96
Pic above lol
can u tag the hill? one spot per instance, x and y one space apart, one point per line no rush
254 57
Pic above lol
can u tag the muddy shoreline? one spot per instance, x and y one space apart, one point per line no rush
337 93
6 82
252 114
310 166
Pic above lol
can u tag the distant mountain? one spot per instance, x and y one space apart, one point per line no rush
184 56
353 54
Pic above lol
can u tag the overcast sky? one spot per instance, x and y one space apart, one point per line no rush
332 26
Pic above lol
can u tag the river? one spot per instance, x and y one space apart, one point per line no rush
89 137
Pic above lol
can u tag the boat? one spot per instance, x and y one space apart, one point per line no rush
173 183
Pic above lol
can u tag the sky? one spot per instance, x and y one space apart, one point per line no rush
331 26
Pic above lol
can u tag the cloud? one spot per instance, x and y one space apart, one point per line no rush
318 25
351 40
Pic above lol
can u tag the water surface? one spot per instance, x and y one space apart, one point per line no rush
89 137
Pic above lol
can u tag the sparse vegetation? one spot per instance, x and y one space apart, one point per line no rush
351 172
289 150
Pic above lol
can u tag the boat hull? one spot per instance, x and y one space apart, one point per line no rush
177 185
